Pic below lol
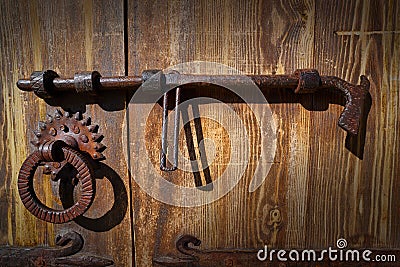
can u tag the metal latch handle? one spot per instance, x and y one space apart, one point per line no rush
48 84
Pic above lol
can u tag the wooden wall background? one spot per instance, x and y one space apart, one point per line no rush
322 190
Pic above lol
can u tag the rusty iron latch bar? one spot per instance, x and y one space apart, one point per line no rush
48 84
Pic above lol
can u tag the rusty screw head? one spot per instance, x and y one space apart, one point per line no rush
97 155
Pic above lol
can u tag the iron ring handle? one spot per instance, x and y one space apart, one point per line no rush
55 151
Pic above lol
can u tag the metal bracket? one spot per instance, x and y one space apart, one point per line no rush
193 256
67 253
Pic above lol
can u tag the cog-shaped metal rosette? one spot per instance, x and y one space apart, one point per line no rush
75 130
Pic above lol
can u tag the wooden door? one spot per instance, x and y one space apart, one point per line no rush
65 36
323 185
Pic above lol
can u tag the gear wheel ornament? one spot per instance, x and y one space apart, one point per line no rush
75 130
64 138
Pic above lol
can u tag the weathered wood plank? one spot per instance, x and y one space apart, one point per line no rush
362 191
240 37
15 62
66 36
322 190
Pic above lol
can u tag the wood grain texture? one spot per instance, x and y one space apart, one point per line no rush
365 189
322 190
66 36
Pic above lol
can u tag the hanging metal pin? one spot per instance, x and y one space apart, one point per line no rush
164 133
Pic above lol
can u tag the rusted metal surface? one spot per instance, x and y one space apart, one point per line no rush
50 82
86 82
356 96
67 254
64 138
309 81
163 152
41 83
49 152
75 130
303 81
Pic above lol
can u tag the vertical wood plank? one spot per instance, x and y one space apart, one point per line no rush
66 36
361 190
239 35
